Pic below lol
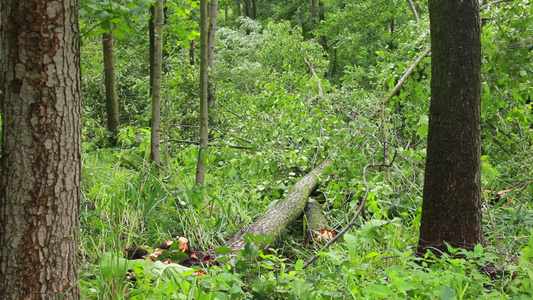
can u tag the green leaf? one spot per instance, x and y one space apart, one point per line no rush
112 265
223 250
102 15
350 239
380 290
404 286
119 34
447 293
298 287
298 265
235 289
423 126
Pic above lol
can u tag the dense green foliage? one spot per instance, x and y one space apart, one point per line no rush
267 98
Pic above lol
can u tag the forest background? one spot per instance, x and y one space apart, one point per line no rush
294 84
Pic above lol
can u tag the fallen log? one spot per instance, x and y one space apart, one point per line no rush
317 225
276 219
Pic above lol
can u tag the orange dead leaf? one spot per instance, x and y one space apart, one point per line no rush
168 243
184 244
156 253
324 233
200 273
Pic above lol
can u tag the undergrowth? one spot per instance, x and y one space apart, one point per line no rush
268 100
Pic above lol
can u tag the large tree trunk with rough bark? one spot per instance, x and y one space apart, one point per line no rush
451 210
276 219
41 158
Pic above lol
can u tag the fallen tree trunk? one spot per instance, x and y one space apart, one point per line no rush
317 225
276 219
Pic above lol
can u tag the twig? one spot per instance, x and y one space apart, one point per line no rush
92 28
522 189
400 83
230 111
186 126
236 136
318 83
354 219
493 3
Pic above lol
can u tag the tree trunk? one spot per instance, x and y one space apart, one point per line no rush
155 155
413 9
238 4
276 219
110 87
313 16
204 129
41 158
317 224
151 37
211 89
192 46
322 18
451 210
248 8
254 9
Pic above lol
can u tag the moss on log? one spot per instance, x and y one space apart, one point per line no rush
282 214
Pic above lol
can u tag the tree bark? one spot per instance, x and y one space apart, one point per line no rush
317 224
151 49
204 129
192 46
155 154
41 158
238 6
248 8
110 86
276 219
451 210
254 9
213 14
322 18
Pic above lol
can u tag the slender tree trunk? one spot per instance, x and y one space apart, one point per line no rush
248 8
386 152
254 9
313 15
110 87
41 156
192 46
156 92
204 129
226 12
239 12
451 210
413 9
322 18
151 37
213 15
